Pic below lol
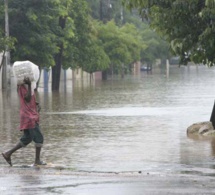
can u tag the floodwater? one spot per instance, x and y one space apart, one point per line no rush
133 124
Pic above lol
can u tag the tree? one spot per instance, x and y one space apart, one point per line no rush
57 34
64 31
121 44
62 34
5 43
97 59
187 25
30 25
79 46
152 46
106 10
157 48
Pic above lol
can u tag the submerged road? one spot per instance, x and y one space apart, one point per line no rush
133 127
59 180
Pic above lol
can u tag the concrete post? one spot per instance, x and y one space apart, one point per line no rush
6 66
167 68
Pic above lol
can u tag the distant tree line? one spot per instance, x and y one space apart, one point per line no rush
95 35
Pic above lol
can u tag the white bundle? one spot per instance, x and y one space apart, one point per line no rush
23 69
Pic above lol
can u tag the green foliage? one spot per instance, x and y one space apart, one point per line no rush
74 49
97 59
189 26
106 10
141 42
30 24
45 28
55 32
6 43
119 43
127 44
95 8
82 49
133 40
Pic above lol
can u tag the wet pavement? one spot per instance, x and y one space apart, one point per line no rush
33 181
116 137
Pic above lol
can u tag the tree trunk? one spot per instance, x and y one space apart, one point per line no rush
56 70
104 75
122 71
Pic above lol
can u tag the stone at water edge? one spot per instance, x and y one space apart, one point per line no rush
201 128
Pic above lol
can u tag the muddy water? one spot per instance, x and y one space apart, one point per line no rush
138 123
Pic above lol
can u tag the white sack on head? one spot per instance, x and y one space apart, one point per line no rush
22 69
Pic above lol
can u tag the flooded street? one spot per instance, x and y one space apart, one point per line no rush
137 124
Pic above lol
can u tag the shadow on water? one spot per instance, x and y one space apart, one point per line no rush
134 124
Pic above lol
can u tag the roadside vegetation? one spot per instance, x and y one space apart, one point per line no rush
187 25
95 35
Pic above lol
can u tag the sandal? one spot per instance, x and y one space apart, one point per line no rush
8 159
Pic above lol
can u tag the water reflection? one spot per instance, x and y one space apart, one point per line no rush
138 123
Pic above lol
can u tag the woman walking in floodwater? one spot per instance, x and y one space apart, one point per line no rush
29 123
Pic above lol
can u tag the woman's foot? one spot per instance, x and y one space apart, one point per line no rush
40 163
7 158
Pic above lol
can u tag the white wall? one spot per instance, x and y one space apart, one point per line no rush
69 74
77 74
